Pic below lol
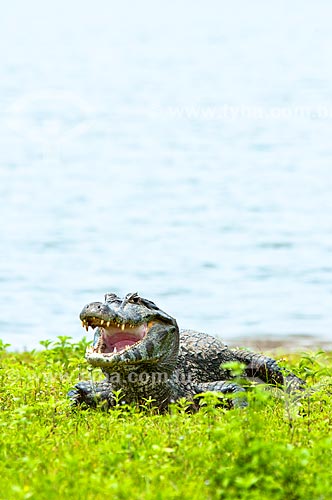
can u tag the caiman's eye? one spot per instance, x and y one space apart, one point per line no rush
110 297
132 297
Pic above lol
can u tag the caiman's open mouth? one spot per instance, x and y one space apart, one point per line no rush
115 338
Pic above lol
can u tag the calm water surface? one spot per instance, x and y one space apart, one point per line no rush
179 150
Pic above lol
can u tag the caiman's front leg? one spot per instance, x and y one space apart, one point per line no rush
225 387
268 370
92 394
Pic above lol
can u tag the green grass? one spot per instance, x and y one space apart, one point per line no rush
277 448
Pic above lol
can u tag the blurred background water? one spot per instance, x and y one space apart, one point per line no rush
178 149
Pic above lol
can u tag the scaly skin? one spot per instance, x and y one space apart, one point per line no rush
142 352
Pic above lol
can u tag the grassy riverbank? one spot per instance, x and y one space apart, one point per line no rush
278 448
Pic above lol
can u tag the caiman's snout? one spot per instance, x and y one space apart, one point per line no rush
94 308
96 314
99 314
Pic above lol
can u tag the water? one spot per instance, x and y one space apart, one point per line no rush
176 149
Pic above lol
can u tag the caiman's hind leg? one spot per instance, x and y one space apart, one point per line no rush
225 387
268 370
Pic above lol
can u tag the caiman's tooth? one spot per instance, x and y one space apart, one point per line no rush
101 321
100 345
115 349
87 328
123 326
83 324
108 323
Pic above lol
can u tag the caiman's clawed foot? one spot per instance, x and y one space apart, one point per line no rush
91 394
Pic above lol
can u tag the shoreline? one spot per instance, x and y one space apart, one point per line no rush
297 343
291 343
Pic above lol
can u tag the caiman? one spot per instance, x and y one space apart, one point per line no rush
145 356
